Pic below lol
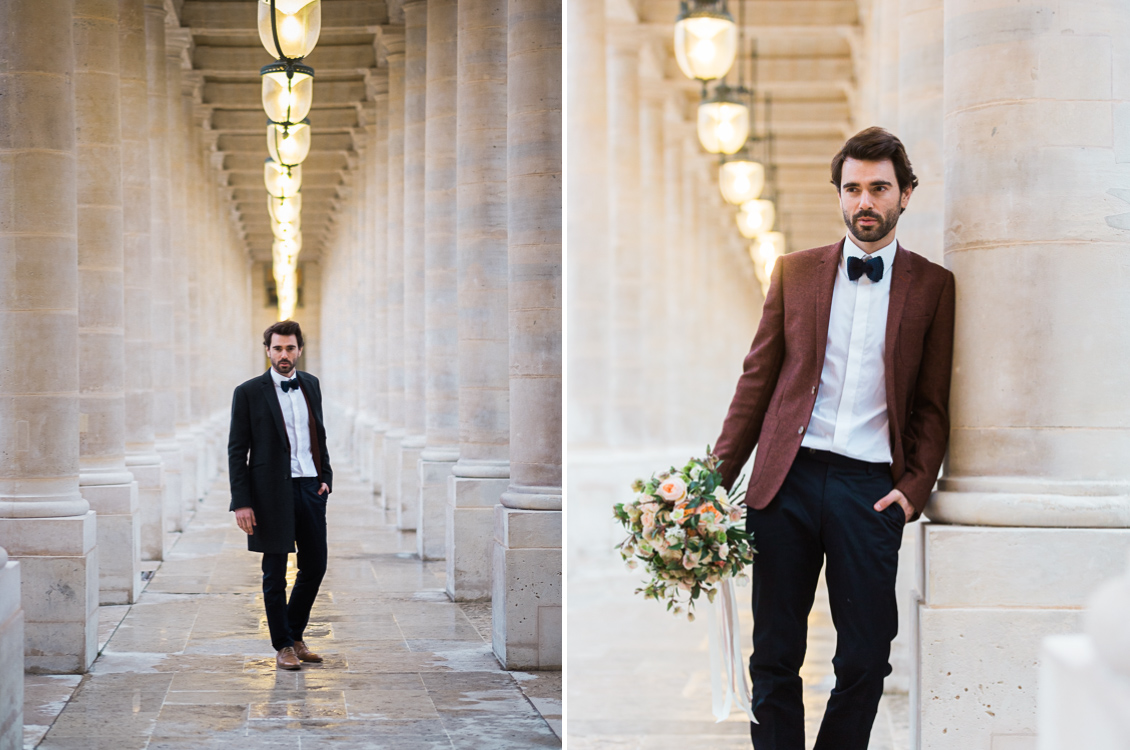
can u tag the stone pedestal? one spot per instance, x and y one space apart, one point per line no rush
392 462
119 535
469 533
58 590
172 502
983 616
526 592
408 500
150 478
431 520
11 656
189 452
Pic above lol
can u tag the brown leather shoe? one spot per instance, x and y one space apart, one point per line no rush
304 653
287 659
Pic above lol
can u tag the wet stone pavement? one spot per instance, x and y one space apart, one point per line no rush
190 666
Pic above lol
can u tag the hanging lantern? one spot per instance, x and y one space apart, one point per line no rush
286 288
706 40
289 145
281 181
756 217
741 179
288 92
723 122
764 253
285 252
286 230
289 29
285 209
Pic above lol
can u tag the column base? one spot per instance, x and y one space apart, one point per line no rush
11 657
59 590
378 450
392 462
119 540
983 619
408 509
150 477
526 599
171 461
469 536
189 459
431 521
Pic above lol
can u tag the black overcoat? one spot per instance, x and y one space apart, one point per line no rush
259 459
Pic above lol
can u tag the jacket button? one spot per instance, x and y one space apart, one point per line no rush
800 431
814 389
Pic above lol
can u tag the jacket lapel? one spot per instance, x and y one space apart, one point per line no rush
825 284
901 281
268 386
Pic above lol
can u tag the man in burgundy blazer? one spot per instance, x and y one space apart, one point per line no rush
849 412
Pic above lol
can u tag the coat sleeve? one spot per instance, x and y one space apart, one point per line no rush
927 430
760 371
239 443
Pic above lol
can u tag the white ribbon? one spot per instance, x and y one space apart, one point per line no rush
728 681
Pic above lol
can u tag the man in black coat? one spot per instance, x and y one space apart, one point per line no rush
280 480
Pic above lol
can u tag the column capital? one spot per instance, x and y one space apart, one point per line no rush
389 41
376 82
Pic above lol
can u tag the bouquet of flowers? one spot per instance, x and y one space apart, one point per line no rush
686 530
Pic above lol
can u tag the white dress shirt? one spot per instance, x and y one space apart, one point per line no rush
297 419
850 415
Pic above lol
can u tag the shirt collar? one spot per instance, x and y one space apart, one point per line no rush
279 378
851 250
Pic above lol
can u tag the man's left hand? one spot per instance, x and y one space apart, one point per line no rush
894 496
325 488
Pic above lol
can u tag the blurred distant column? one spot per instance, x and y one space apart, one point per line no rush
378 206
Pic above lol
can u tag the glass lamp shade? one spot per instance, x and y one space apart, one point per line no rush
723 123
285 252
756 217
741 180
287 290
289 145
286 230
706 43
298 23
282 182
287 99
764 253
285 209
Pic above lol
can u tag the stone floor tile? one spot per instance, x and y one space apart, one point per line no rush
199 721
390 704
512 733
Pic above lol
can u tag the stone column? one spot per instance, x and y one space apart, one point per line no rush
672 257
415 86
590 267
163 329
363 299
526 599
103 479
1037 204
624 231
44 521
11 655
441 313
142 458
378 206
482 472
393 42
653 270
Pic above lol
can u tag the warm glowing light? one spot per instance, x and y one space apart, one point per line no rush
706 44
741 180
298 22
756 217
281 181
287 100
286 230
288 144
764 253
723 123
285 209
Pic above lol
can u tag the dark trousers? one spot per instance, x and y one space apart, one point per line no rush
824 509
287 622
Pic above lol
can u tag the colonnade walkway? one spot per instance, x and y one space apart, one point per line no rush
190 666
643 681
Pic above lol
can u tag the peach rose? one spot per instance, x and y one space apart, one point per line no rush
672 489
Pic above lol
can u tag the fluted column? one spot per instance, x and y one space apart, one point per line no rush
624 231
441 313
527 592
11 655
103 480
672 257
1037 207
44 521
481 474
163 329
653 272
378 207
142 458
394 254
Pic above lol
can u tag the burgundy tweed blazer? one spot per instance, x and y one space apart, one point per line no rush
777 389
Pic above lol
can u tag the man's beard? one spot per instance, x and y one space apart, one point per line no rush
282 368
883 224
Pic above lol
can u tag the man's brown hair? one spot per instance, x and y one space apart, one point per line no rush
283 328
875 144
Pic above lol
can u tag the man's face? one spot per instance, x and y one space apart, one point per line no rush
284 353
870 198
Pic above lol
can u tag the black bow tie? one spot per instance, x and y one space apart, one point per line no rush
286 385
857 267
